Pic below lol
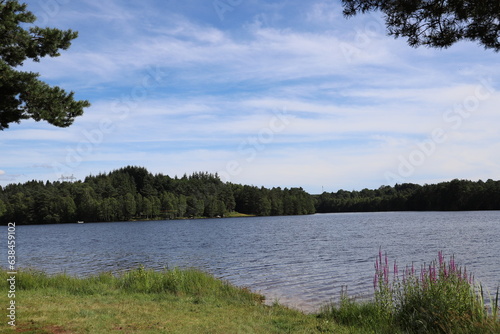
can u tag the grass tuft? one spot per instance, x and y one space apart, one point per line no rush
187 282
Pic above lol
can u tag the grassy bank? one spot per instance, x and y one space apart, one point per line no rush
145 301
440 298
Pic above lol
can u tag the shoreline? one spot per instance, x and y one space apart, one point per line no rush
237 215
186 301
243 215
172 301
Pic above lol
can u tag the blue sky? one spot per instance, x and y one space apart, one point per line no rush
268 93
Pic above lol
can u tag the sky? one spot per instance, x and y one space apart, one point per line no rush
265 93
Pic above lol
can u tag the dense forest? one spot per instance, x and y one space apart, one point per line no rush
456 195
134 193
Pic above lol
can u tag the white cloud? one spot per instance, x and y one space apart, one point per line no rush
357 100
325 13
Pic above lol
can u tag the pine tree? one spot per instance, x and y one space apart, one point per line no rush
22 94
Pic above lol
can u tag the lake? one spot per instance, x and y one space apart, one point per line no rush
302 261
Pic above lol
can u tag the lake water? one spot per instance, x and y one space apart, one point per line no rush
302 261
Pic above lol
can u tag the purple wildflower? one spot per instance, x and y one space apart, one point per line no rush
453 267
441 259
423 274
432 272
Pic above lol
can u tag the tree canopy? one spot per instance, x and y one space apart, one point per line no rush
455 195
22 94
134 193
436 23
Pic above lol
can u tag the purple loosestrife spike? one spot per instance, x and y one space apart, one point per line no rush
380 255
453 267
395 270
375 281
423 274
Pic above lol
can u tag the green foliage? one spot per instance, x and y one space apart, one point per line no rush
442 298
445 196
134 193
3 208
275 201
365 317
436 23
22 95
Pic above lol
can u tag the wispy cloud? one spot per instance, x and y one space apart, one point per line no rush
175 89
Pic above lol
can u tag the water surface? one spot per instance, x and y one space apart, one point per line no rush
303 261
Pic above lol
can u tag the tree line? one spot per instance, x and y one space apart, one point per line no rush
456 195
134 193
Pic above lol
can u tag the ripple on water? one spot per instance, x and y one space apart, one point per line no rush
304 261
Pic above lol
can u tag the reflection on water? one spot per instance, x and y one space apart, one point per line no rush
302 261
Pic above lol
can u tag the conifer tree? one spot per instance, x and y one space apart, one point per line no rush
22 94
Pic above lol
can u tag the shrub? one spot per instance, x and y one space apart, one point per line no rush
441 298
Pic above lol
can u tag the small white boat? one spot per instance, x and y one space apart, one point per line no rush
80 222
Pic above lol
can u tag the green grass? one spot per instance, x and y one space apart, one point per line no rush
146 301
442 299
235 214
